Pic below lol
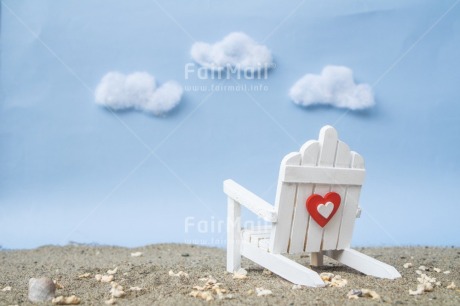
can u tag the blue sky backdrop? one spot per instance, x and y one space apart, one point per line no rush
71 170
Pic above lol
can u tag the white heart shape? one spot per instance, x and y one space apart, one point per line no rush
325 210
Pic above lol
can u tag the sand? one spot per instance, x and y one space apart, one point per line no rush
150 272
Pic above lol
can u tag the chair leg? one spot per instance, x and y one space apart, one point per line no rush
316 259
282 266
233 236
364 263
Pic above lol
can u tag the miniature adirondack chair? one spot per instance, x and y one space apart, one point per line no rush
315 210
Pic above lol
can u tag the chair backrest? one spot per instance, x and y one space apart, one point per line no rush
322 166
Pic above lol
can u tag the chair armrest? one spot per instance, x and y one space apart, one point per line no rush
250 201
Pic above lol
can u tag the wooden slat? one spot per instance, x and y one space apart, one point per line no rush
364 263
284 206
323 175
328 143
283 266
331 230
301 216
351 204
233 235
250 201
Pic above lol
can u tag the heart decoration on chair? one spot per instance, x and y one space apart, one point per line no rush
322 209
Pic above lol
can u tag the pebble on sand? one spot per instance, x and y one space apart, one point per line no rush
41 289
66 300
360 293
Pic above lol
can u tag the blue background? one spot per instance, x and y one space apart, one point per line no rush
73 171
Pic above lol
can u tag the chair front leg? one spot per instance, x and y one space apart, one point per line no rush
316 259
233 235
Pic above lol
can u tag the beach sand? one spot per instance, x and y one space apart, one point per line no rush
150 272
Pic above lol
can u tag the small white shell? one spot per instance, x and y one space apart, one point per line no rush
106 278
178 274
112 301
135 289
7 288
262 292
240 274
407 265
451 286
117 290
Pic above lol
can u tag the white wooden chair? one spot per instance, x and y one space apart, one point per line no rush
327 175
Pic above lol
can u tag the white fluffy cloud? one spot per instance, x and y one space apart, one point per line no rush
236 50
139 91
334 86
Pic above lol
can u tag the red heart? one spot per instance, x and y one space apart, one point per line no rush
320 209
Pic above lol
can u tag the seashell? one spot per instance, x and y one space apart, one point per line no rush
240 274
338 281
106 278
136 254
205 295
326 276
135 289
407 265
420 290
262 292
7 288
451 286
112 301
178 274
84 275
117 290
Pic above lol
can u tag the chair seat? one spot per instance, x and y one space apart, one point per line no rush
258 236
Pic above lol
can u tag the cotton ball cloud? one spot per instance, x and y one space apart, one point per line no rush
236 50
334 86
137 90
